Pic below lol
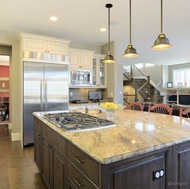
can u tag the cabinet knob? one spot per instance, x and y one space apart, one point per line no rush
49 146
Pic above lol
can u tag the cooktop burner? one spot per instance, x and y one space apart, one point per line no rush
77 121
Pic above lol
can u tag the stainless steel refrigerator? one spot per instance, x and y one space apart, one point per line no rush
45 89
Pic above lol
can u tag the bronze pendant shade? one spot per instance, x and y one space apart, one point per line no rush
130 51
109 58
161 43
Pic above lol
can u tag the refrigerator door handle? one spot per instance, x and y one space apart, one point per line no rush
41 95
46 100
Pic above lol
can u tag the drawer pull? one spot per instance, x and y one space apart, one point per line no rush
78 182
77 158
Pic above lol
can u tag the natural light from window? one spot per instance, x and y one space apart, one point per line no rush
181 77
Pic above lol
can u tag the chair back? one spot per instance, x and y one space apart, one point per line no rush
136 106
184 112
161 108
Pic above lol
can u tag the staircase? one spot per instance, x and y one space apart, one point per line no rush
144 87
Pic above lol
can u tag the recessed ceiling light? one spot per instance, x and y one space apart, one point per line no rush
53 18
102 29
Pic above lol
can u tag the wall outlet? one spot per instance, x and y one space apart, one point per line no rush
158 174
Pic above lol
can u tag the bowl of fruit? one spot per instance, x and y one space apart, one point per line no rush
110 108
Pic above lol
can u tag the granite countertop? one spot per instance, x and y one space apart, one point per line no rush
135 133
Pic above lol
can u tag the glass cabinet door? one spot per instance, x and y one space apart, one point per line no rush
102 72
99 71
94 76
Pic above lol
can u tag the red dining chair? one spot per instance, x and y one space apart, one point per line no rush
184 112
161 108
136 106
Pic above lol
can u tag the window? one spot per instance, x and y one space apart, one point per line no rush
181 76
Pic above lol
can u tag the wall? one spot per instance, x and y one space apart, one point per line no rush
154 72
83 46
131 91
114 76
165 76
9 41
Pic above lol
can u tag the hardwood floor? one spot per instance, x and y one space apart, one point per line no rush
17 167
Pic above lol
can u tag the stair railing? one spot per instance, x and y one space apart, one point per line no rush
156 86
146 83
139 70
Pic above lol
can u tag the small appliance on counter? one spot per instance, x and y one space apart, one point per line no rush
78 101
95 96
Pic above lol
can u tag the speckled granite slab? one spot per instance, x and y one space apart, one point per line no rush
136 133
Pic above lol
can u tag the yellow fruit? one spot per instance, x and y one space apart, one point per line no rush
110 106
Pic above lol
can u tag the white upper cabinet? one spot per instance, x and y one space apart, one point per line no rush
99 71
36 43
80 59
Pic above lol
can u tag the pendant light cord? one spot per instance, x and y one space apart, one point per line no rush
109 29
161 16
130 22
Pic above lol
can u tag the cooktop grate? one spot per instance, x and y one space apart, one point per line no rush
77 121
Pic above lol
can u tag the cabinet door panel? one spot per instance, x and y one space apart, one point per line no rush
59 167
70 185
57 48
182 166
86 61
46 160
79 179
37 147
74 59
99 72
84 162
140 175
35 45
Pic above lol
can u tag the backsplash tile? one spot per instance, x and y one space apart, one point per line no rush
82 93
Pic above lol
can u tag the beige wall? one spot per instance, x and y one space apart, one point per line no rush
131 91
114 75
10 39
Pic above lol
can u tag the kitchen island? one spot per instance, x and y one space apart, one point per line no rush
144 150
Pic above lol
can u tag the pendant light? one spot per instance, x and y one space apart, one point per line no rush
109 58
130 51
161 43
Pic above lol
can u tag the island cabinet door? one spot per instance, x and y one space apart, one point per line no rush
59 169
54 165
150 172
46 160
181 166
37 148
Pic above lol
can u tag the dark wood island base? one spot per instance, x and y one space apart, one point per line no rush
65 166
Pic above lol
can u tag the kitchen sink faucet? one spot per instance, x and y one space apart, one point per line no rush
98 97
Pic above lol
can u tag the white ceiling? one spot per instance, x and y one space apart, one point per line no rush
80 21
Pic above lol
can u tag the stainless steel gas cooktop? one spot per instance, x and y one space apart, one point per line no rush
77 121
